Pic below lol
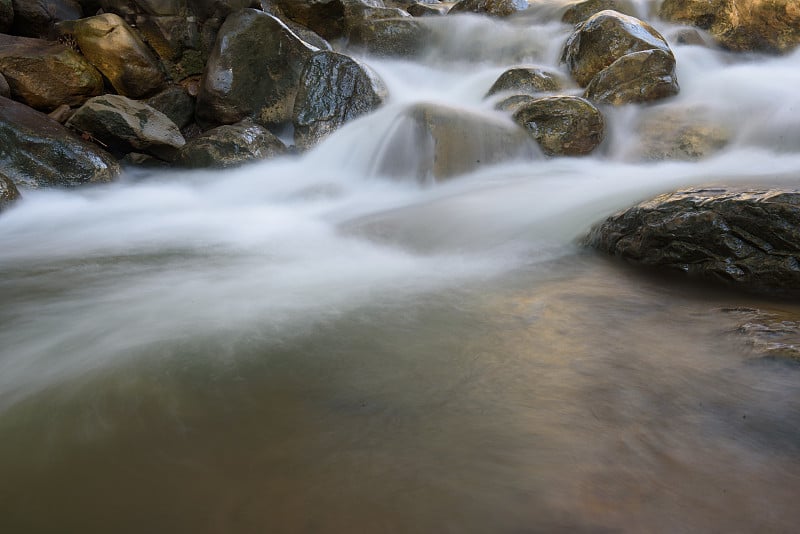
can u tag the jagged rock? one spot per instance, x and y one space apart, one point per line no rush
5 90
427 10
8 192
526 81
112 46
176 103
635 78
605 37
45 74
432 143
253 71
231 145
494 8
678 134
39 152
749 238
6 15
36 18
741 25
562 125
334 89
126 125
176 41
404 37
581 11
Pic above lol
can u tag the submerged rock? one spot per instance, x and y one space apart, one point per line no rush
605 37
679 134
562 125
748 238
527 81
8 192
334 89
635 78
231 145
494 8
39 152
771 334
44 74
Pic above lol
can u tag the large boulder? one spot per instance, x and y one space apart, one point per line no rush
432 143
580 11
605 37
741 25
6 15
527 81
254 71
401 37
112 46
45 74
8 192
334 89
126 125
677 134
749 238
635 78
36 18
494 8
39 152
562 125
231 145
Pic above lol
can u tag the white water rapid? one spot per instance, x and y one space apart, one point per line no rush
131 314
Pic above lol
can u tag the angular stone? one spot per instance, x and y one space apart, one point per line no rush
36 18
635 78
581 11
126 125
39 152
8 192
562 125
334 89
605 37
494 8
231 145
527 81
254 71
111 45
176 103
748 238
44 74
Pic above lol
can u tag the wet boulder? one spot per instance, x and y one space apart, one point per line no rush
8 192
5 90
328 18
678 134
748 238
176 41
580 11
432 143
125 125
635 78
39 152
334 89
6 15
400 37
254 71
231 145
44 74
562 125
117 51
176 103
494 8
605 37
527 81
741 25
306 34
36 18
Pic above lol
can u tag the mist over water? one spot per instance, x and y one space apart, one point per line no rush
307 345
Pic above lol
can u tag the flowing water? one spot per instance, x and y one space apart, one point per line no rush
304 345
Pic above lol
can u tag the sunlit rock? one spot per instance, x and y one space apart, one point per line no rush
254 71
748 238
8 192
741 25
6 15
580 11
39 152
562 125
231 145
176 103
605 37
527 81
112 46
433 142
36 18
494 8
635 78
125 125
687 135
45 74
334 89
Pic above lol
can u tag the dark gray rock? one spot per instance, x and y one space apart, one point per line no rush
8 192
527 81
39 152
635 78
253 72
748 238
36 18
562 125
6 15
176 103
334 89
494 8
5 90
231 145
328 18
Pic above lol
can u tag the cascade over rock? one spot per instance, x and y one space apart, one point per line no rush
334 89
8 192
679 134
39 152
748 238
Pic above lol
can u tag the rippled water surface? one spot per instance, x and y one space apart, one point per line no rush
304 345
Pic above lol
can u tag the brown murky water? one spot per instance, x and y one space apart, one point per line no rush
581 398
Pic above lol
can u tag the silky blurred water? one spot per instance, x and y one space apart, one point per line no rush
305 345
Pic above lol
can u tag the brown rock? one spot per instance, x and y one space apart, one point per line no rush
527 81
231 145
8 192
494 8
635 78
562 125
686 135
581 11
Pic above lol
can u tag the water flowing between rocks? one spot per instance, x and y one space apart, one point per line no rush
325 343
